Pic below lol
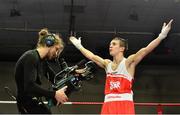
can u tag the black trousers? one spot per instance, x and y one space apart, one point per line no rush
32 107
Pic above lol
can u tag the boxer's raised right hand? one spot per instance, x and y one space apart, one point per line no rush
76 42
60 95
165 30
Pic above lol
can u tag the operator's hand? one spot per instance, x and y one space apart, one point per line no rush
80 71
165 30
60 96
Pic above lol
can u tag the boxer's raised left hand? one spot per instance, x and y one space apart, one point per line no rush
165 30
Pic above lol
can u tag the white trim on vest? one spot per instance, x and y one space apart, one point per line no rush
119 97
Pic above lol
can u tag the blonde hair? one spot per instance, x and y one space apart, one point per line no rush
42 35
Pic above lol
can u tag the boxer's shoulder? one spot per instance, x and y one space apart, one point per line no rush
107 61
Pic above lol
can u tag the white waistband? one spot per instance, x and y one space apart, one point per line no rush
119 97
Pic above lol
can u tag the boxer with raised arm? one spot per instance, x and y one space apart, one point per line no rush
120 71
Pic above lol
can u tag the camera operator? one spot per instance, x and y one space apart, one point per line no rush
29 70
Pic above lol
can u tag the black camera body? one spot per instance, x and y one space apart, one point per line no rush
68 77
72 81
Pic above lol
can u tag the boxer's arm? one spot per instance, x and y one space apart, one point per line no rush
95 58
136 58
88 54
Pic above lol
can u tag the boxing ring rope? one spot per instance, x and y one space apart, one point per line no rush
159 106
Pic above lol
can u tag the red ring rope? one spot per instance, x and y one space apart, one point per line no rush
159 105
138 104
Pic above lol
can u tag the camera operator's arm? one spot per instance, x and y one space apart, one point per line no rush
60 96
49 73
30 85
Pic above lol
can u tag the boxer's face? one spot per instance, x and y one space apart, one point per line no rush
115 48
54 51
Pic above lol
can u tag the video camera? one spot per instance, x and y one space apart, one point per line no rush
69 77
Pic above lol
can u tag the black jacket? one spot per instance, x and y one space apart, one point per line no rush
28 72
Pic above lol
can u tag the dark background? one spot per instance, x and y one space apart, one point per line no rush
97 22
